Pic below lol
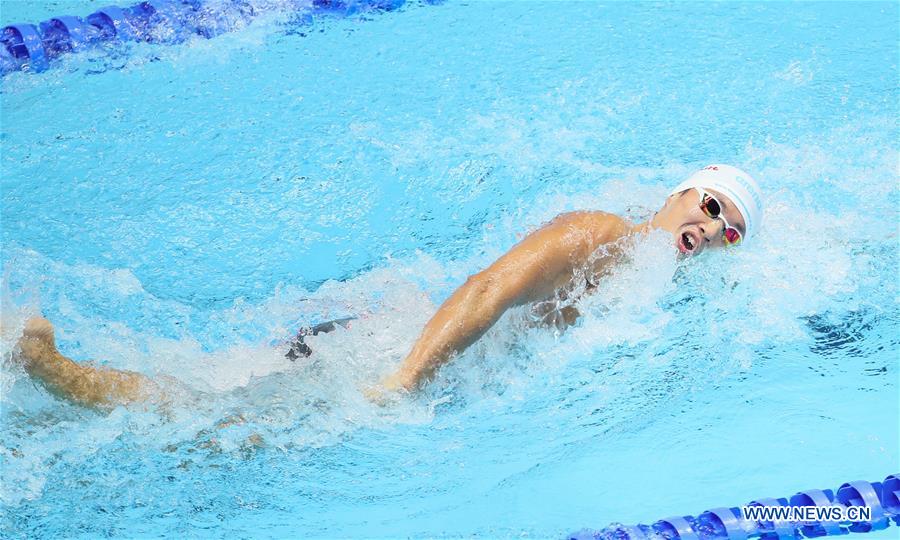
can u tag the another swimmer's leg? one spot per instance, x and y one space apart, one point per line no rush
79 383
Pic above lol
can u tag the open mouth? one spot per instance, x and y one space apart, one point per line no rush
688 243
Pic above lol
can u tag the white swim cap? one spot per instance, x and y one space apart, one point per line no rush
738 186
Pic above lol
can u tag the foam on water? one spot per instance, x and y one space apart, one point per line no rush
728 301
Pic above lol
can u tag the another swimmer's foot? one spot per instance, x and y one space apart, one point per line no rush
81 384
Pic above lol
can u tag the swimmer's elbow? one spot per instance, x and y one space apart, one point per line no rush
480 287
490 294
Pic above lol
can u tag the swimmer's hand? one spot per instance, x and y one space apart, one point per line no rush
388 392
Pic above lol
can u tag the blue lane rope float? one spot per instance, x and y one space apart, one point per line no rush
727 523
31 47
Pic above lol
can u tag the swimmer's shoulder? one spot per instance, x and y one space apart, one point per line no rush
583 231
602 226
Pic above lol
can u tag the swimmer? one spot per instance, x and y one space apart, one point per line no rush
718 206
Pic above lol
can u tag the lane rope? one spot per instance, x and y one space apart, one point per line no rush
32 47
882 499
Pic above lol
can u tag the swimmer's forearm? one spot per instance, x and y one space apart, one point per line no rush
460 322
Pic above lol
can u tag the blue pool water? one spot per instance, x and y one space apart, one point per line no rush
180 210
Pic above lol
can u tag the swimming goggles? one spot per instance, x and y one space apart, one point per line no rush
713 209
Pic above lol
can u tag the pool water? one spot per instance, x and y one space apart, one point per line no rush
180 210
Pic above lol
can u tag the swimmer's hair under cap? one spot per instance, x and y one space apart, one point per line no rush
738 186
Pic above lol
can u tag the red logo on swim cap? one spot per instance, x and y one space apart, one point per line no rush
710 168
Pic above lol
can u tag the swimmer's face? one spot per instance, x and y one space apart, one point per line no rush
692 230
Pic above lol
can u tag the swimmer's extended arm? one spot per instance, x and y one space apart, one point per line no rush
532 270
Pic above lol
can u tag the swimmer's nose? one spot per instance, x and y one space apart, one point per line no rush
710 230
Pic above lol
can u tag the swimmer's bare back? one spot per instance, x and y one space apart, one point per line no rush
532 271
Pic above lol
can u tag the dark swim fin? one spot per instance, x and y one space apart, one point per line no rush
299 348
